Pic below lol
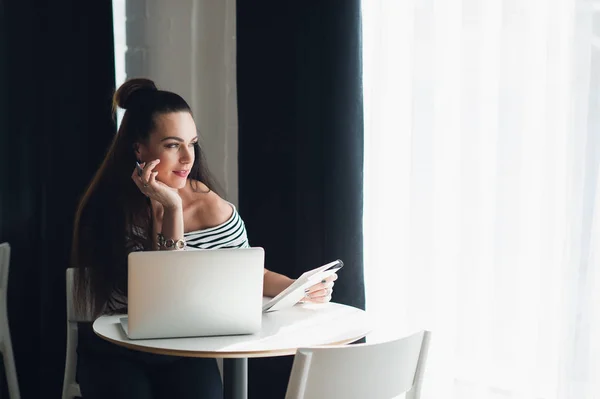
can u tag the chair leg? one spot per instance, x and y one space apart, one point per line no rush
9 366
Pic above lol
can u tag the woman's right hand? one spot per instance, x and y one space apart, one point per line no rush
154 189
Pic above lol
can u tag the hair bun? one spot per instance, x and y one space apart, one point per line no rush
126 94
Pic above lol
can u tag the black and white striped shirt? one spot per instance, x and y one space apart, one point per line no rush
231 234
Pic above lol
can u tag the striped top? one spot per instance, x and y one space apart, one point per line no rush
230 234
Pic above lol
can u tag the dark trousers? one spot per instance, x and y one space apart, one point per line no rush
105 370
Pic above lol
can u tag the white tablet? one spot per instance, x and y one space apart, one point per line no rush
295 292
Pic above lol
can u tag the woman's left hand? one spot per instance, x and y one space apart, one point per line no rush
321 292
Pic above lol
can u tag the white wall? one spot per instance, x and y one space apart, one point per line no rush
188 46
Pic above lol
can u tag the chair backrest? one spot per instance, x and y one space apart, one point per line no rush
72 315
4 265
375 371
70 386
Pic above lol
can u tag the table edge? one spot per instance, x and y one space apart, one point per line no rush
224 355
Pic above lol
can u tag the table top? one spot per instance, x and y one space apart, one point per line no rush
282 333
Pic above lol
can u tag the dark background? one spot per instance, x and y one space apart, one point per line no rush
55 125
300 154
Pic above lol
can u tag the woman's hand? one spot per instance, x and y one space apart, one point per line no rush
321 292
155 190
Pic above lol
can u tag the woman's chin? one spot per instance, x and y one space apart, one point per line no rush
177 184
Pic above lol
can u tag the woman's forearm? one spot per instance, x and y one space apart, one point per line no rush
274 283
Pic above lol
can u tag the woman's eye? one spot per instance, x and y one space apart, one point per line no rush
176 145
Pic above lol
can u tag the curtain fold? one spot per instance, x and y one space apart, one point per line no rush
481 127
300 144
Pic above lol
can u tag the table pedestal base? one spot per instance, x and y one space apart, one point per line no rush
235 378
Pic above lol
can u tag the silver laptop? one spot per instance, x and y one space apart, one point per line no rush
194 293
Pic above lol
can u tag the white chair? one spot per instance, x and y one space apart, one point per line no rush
5 342
375 371
70 385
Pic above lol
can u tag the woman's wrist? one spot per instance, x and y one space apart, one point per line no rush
171 236
176 207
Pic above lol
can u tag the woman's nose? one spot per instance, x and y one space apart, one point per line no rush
187 155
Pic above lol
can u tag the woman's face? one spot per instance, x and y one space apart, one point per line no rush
173 143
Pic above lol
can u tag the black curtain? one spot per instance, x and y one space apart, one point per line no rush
57 76
301 146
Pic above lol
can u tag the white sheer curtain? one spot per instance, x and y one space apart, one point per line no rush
482 207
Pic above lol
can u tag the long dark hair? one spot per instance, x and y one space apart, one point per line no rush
114 218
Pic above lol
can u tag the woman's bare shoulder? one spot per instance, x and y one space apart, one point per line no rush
209 208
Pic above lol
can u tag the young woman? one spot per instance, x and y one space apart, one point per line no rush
166 203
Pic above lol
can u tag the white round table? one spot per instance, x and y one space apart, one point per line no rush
282 333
